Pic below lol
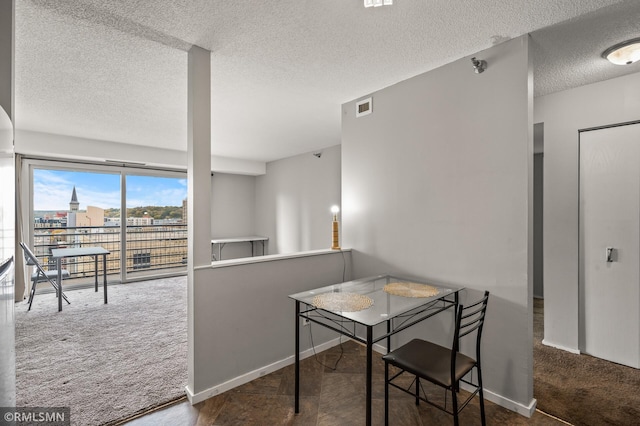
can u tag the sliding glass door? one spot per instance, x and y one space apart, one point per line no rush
136 214
156 231
68 211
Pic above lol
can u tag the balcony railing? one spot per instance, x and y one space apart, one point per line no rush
149 248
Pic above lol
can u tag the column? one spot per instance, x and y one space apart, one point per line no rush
199 187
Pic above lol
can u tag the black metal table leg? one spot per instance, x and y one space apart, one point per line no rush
95 268
369 371
297 368
59 264
104 276
388 336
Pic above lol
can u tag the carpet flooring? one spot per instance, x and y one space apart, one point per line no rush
105 362
581 389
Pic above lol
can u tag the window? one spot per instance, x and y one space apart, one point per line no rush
76 205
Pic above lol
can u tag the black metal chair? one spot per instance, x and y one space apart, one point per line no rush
40 275
443 366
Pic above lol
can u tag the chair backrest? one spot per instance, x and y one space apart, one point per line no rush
470 319
31 259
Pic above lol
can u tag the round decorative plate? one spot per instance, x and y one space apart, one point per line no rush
342 302
411 290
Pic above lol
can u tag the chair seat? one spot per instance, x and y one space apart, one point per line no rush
430 361
51 275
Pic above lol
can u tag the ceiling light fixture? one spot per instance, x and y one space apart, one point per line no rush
624 53
377 3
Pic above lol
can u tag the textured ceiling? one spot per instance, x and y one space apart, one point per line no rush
116 70
568 54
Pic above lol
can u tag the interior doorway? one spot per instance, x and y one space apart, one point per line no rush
538 223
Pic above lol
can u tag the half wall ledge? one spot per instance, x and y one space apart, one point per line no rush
269 258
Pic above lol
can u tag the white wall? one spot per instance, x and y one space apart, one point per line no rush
233 211
7 284
563 114
437 182
244 319
70 147
7 195
294 200
7 207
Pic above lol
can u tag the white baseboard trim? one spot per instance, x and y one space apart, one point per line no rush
523 410
382 350
194 398
564 348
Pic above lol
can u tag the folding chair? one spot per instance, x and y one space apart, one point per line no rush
40 275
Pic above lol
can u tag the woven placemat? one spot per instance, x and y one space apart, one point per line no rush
343 302
411 290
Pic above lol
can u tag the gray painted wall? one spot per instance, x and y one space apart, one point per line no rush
295 197
64 147
609 102
233 211
290 204
437 182
243 319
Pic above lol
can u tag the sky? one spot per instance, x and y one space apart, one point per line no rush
52 190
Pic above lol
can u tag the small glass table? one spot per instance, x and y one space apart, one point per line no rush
395 301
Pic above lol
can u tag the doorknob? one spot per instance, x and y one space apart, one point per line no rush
610 253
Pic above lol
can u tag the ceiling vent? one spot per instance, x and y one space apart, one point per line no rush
364 107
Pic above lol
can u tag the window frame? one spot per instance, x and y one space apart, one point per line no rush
29 164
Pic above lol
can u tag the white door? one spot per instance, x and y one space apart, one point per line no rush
610 243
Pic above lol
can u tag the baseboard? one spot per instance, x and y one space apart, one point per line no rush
564 348
523 410
382 350
194 398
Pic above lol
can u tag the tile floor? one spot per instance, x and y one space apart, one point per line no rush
328 398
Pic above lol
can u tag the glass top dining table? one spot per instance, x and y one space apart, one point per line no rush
395 301
384 306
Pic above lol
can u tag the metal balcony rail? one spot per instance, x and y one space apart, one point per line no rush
148 247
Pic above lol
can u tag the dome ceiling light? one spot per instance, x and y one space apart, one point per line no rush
624 53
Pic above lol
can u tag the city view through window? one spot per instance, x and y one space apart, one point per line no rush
83 209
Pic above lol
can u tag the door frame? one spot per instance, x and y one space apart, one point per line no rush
581 313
